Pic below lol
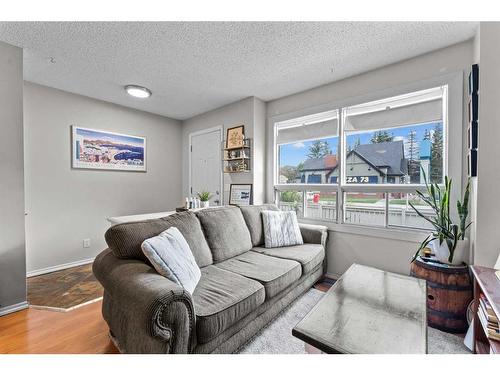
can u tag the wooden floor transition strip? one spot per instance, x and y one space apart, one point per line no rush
60 309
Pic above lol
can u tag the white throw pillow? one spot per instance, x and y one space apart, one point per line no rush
170 255
281 228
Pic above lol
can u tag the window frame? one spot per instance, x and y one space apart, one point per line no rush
453 107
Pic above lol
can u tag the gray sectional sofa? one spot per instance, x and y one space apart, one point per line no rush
242 287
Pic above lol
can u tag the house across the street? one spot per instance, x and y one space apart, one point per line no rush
372 163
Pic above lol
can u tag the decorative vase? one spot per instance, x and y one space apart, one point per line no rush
205 204
442 252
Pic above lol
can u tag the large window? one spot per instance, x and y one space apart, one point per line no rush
307 149
362 164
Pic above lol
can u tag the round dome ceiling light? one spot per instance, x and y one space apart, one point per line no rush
138 91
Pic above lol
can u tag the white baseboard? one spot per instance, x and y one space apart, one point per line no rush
13 308
59 267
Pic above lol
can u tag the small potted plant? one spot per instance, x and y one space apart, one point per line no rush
448 240
205 198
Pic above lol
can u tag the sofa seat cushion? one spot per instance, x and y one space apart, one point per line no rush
274 273
221 299
308 255
253 218
225 231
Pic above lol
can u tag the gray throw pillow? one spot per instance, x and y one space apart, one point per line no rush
170 255
281 228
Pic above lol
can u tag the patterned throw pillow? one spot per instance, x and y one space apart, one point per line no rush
281 228
170 255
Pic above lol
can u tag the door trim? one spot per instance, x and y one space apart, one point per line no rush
219 128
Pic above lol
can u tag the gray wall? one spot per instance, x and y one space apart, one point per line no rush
66 205
487 245
249 112
259 151
378 248
12 238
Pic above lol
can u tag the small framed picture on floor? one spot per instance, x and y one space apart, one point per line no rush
240 194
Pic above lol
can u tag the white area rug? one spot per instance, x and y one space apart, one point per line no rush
277 337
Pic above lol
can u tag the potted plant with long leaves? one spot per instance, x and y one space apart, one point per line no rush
205 197
448 238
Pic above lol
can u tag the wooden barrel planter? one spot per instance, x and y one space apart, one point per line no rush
449 291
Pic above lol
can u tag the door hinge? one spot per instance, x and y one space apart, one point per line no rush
191 148
191 190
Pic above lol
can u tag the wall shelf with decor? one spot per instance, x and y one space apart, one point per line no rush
237 159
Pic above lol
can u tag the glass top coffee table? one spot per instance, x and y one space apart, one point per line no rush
368 311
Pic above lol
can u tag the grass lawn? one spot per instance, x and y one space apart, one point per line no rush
403 201
362 200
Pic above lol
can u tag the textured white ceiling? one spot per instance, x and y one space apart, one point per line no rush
193 67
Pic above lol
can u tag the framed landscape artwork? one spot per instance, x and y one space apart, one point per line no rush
235 137
240 194
99 149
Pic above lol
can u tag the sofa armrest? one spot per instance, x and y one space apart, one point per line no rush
317 234
150 312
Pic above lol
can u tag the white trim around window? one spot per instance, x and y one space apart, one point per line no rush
452 150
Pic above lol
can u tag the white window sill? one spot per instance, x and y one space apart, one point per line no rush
394 233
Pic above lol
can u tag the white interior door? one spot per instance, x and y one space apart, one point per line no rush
206 164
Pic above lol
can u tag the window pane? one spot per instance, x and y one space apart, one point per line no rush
401 213
321 205
307 149
392 140
365 209
291 201
309 162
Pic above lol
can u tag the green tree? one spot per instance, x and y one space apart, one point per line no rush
412 155
436 174
319 149
427 134
289 172
290 196
292 199
381 136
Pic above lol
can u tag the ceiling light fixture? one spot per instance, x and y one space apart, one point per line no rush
138 91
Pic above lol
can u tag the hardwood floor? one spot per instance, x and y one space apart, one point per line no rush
78 331
325 284
64 289
82 330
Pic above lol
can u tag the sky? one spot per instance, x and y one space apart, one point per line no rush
294 153
101 135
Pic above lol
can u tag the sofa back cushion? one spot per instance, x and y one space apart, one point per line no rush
125 239
225 231
253 218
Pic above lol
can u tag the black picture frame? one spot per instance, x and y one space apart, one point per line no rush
472 135
472 163
243 201
474 79
242 141
473 107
